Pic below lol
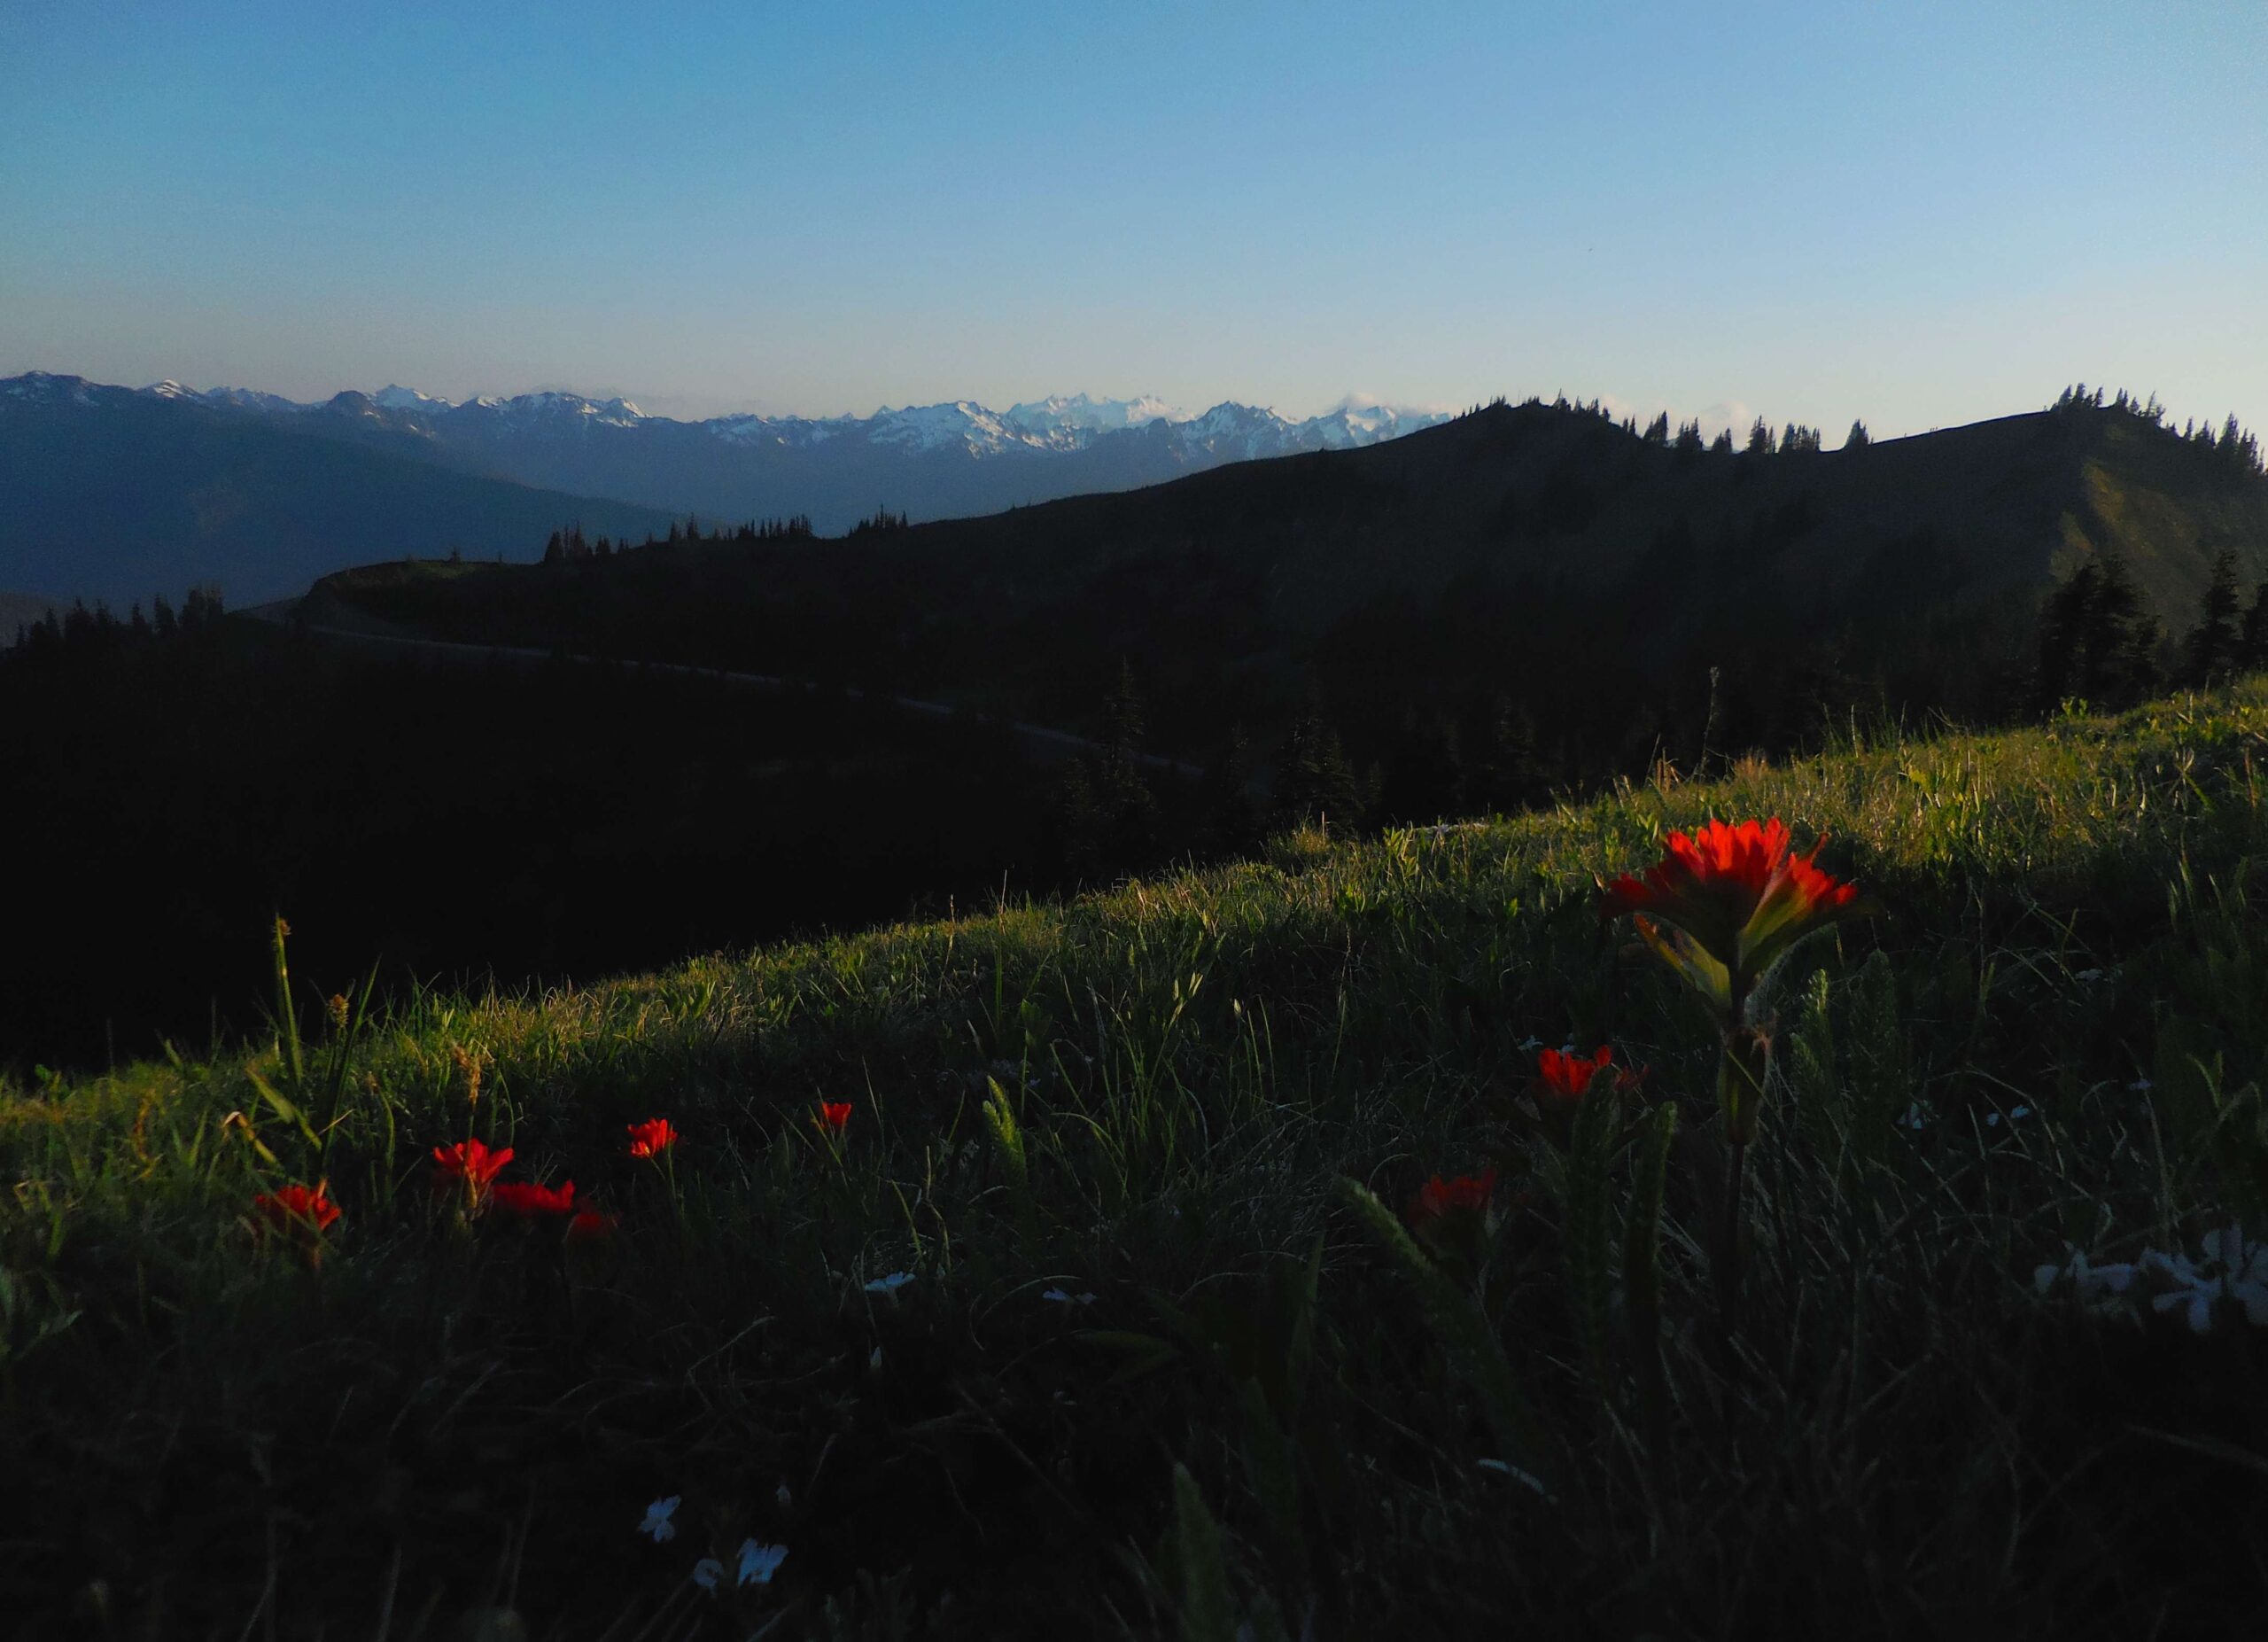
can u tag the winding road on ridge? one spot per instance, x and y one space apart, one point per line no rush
1038 739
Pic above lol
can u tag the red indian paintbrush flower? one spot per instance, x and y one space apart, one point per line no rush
470 1165
591 1226
834 1115
1465 1195
1738 897
651 1138
1569 1076
298 1207
528 1202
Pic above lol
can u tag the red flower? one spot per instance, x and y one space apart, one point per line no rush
1569 1076
651 1138
590 1226
470 1164
1438 1198
834 1115
1738 895
298 1208
527 1202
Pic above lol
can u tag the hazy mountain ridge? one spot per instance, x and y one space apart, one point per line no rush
926 460
119 493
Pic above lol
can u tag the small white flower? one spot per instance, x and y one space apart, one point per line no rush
707 1572
889 1285
1063 1297
784 1497
1530 1043
1991 1120
2196 1305
2141 1086
657 1518
874 1361
1914 1116
2015 1112
759 1563
2176 1268
2088 975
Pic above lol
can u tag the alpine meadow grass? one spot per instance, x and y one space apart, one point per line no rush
1134 1266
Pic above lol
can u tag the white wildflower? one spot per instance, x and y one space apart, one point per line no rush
1063 1297
2179 1287
657 1518
759 1563
707 1572
2141 1086
1914 1116
2088 975
889 1285
2195 1303
784 1497
2018 1112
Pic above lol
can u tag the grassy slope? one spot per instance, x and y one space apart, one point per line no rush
443 1419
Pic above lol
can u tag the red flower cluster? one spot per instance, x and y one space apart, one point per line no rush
1569 1076
1738 896
1438 1198
834 1115
469 1164
651 1138
298 1208
528 1202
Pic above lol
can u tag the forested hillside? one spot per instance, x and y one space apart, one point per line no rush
1532 582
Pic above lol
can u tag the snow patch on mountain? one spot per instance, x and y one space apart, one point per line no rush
1082 413
393 396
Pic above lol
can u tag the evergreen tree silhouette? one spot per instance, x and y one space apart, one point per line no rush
2210 651
1233 822
2098 640
1760 437
2252 638
1110 812
1858 439
1507 776
1315 784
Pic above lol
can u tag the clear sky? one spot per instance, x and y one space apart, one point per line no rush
1919 213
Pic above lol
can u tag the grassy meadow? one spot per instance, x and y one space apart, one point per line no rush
1077 1328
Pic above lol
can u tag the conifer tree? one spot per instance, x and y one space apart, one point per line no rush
2210 651
1760 437
1858 439
1314 781
2252 638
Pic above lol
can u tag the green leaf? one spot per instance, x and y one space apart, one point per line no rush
1208 1611
1586 1236
1473 1348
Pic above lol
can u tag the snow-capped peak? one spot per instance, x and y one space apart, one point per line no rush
393 396
962 422
1082 412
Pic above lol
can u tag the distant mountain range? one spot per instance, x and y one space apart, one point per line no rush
923 460
118 493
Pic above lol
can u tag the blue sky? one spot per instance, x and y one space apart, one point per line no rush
1917 213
